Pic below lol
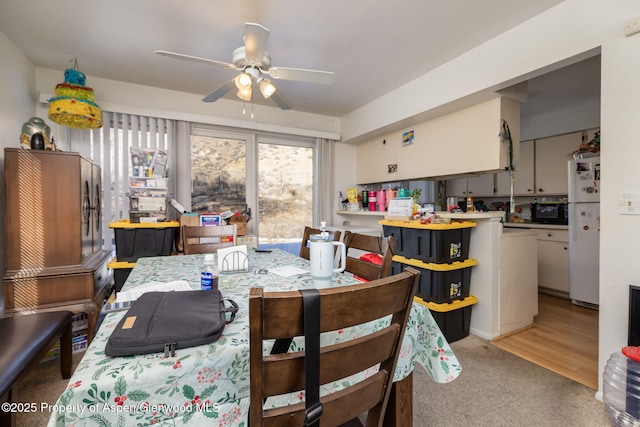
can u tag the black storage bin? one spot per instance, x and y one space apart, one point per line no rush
436 243
121 271
439 283
135 241
454 320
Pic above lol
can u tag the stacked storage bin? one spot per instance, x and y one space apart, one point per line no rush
136 240
441 253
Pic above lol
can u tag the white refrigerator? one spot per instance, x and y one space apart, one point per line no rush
584 231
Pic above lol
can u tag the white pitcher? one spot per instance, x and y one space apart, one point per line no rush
321 248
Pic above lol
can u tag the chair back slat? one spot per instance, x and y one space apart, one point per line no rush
338 361
383 246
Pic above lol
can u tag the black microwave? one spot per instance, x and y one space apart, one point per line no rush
549 213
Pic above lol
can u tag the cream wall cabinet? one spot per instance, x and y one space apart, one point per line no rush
465 141
476 186
524 179
553 261
552 155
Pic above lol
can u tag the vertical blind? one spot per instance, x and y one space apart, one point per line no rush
109 146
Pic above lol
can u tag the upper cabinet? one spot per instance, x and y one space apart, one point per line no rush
474 186
542 169
552 155
465 141
523 183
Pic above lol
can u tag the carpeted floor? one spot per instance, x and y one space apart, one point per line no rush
494 389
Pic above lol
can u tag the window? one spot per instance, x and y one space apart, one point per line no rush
271 176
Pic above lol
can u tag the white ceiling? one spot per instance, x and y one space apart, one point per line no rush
373 46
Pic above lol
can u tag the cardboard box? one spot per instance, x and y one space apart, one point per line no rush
241 224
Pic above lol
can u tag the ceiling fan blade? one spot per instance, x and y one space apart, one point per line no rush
280 100
255 42
195 59
298 74
220 92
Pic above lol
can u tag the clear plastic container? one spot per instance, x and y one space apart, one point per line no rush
621 391
209 274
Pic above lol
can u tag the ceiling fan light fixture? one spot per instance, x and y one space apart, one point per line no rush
266 87
245 94
243 81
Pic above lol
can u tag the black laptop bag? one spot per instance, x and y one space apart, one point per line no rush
166 321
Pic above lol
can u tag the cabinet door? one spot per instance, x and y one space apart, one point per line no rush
551 156
523 184
553 260
477 186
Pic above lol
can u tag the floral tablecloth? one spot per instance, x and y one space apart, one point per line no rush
209 384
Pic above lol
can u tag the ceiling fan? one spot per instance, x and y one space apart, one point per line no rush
253 61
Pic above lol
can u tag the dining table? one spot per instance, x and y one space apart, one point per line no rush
209 384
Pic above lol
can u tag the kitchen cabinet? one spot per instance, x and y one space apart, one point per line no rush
553 261
524 183
53 242
475 186
551 157
465 141
518 279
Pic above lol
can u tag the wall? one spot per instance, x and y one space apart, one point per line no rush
17 87
144 100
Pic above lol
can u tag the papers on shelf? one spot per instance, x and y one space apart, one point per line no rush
134 294
288 271
233 258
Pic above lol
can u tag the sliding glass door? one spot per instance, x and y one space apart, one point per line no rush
285 192
271 177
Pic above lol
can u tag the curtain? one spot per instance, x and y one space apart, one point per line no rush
324 182
108 147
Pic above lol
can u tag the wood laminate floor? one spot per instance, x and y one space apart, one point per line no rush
563 338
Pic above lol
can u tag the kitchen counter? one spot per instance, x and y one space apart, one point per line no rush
532 225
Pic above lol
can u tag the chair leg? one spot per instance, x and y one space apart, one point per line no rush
66 352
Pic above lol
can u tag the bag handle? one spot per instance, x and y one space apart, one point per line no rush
233 309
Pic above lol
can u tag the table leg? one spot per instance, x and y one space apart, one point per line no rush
400 407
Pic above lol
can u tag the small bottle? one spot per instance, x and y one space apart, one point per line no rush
372 200
208 275
382 200
365 199
470 207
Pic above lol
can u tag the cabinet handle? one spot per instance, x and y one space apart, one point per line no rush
565 248
540 190
529 190
549 234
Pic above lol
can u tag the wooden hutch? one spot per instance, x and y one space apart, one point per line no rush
53 236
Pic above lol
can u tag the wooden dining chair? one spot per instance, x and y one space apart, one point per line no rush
280 316
207 239
308 231
363 243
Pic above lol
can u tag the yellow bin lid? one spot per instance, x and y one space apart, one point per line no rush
456 265
454 225
125 223
446 307
122 264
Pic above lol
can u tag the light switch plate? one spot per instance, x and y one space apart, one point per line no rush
629 203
